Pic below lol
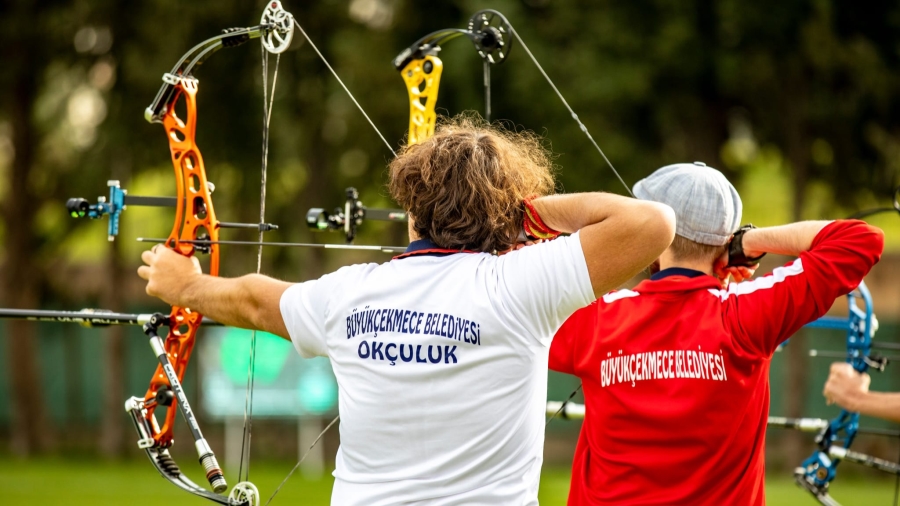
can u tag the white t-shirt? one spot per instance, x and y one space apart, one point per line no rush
441 365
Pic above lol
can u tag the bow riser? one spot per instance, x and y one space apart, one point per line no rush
423 78
192 187
195 219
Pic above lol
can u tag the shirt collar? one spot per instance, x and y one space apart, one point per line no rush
426 247
419 245
675 271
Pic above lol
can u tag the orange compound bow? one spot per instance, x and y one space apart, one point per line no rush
196 229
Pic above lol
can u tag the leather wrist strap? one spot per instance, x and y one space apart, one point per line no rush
736 256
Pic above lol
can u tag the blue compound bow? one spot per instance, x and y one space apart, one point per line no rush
835 436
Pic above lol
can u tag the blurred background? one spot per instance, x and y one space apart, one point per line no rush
796 101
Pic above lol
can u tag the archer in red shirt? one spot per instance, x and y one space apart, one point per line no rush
676 371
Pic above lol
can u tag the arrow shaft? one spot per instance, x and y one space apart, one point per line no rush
385 249
88 318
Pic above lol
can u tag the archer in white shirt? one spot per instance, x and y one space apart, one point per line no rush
440 354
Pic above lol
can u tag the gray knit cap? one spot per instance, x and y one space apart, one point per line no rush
707 207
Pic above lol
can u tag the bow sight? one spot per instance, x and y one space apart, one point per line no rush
119 200
350 217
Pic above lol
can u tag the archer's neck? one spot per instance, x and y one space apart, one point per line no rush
666 261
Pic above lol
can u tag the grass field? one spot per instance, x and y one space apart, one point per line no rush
135 483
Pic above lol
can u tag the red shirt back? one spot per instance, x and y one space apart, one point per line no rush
676 374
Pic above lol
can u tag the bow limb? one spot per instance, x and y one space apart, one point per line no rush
421 68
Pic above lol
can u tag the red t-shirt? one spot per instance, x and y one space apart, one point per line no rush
676 374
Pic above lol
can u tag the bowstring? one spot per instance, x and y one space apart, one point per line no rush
268 101
590 137
897 485
559 94
897 477
564 404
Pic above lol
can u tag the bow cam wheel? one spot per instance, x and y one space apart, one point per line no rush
277 38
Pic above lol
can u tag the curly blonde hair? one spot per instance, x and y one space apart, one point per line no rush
465 185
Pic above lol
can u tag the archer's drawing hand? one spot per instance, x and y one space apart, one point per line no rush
168 273
738 274
845 386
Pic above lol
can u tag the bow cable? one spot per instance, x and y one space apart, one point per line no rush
268 101
297 466
336 76
581 126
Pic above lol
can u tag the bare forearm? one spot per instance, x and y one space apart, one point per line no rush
570 213
791 239
880 405
250 301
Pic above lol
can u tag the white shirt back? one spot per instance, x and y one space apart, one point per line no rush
441 365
